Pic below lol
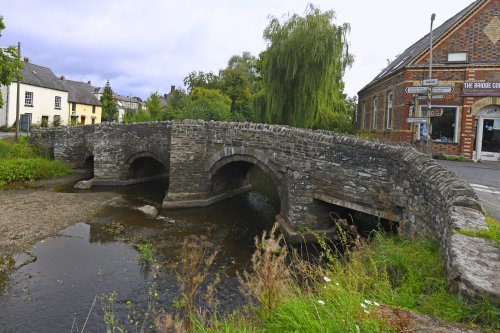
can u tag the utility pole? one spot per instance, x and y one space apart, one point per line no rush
429 92
18 91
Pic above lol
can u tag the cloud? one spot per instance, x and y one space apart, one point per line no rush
145 46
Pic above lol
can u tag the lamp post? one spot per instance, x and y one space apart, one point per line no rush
429 92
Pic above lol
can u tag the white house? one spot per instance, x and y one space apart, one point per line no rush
42 95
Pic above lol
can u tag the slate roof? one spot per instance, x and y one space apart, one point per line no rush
128 99
413 52
40 77
80 92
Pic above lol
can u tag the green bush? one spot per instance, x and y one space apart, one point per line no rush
30 169
10 149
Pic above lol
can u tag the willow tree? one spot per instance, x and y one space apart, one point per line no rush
302 70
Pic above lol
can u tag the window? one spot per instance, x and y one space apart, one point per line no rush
45 121
28 98
82 120
444 128
457 57
93 120
390 97
73 106
57 120
363 113
57 103
374 113
93 108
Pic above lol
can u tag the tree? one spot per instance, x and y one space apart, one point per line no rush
302 69
206 104
10 65
109 108
201 80
153 104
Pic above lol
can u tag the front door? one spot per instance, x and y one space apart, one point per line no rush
488 134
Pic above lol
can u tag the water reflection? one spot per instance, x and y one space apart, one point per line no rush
56 291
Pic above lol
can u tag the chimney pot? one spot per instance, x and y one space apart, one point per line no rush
62 78
172 88
26 59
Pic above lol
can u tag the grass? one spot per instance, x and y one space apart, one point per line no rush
146 255
375 287
373 291
22 161
493 232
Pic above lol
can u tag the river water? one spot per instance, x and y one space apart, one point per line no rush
74 269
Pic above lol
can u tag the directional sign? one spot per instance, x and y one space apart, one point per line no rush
430 82
416 90
416 120
442 89
424 97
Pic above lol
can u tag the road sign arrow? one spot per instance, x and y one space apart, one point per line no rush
442 89
416 90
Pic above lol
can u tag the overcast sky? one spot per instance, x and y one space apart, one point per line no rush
149 45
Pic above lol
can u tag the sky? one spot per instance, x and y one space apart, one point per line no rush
146 46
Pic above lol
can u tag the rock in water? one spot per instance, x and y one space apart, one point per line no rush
148 210
83 185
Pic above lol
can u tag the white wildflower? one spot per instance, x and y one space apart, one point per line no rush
376 304
321 302
363 305
327 279
368 302
366 311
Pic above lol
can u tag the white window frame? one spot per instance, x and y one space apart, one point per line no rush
28 98
458 57
390 99
57 102
374 113
457 118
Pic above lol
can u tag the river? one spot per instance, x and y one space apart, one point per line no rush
87 261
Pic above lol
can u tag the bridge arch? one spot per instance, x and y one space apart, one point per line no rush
143 165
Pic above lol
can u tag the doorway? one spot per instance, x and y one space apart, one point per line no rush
488 134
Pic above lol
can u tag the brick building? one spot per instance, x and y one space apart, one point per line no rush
465 61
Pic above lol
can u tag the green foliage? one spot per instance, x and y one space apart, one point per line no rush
201 80
23 162
22 149
302 71
17 170
153 105
206 104
10 65
109 108
146 254
457 158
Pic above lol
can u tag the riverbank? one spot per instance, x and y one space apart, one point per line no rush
33 213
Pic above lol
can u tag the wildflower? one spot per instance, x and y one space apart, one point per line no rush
327 279
156 294
129 302
336 283
376 304
368 302
366 311
321 302
363 305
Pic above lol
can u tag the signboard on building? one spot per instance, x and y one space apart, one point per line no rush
491 89
412 120
442 89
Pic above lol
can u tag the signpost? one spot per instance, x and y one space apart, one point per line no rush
416 90
442 89
430 82
432 113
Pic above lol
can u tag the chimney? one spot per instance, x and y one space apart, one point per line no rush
62 78
172 88
26 59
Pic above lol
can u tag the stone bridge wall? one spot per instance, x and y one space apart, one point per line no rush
394 182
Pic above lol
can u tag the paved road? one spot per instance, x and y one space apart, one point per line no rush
485 180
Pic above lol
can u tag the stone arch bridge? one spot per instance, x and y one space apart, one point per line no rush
209 161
